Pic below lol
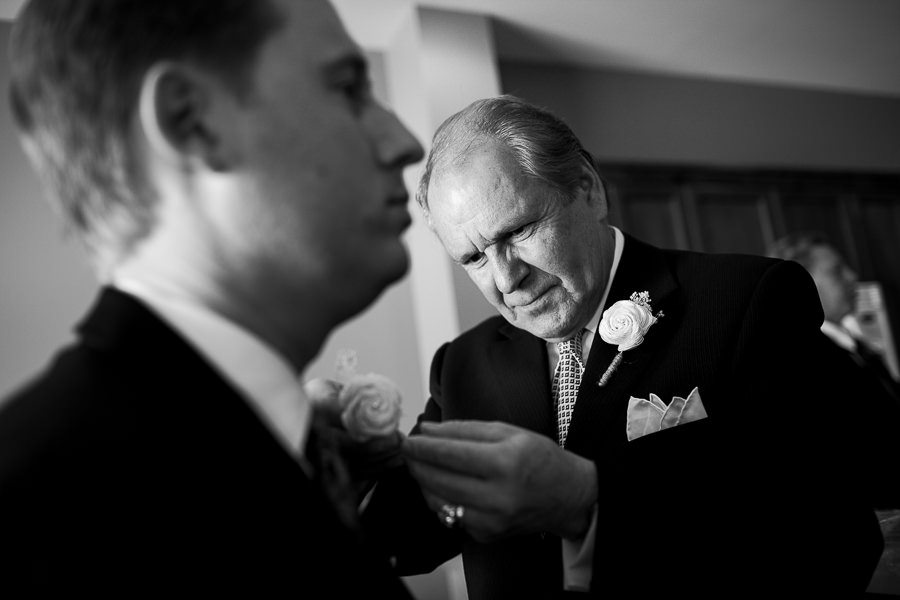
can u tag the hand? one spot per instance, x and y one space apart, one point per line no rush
511 481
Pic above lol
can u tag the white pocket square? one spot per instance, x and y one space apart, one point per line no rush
650 416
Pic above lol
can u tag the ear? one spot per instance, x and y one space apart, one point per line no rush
177 113
594 190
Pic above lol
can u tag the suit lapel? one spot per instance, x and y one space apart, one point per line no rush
208 408
642 268
518 361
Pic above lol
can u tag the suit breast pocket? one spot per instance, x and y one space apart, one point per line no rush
652 416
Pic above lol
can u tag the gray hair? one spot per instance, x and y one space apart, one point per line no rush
542 145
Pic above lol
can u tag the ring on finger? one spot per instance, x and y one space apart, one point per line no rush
451 514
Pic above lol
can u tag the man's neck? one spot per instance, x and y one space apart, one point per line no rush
296 334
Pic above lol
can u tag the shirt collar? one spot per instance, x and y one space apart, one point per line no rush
839 336
252 367
590 328
594 323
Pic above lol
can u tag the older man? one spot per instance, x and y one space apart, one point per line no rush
636 420
222 162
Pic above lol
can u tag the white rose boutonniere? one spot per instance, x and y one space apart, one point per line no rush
370 404
624 324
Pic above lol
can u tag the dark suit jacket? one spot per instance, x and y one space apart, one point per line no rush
871 399
130 466
752 498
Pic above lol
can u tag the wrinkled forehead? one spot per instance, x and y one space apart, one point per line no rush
472 181
461 153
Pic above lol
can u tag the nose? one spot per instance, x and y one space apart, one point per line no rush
509 271
395 145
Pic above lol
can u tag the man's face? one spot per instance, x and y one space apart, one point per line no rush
539 260
320 164
835 281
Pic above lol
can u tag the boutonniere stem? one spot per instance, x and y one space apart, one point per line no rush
625 324
610 370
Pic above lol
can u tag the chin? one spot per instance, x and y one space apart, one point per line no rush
548 326
543 330
369 282
395 266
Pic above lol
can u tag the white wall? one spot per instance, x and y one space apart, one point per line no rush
45 283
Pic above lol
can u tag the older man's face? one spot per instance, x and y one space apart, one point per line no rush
538 260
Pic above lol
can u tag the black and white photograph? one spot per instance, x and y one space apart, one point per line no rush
450 299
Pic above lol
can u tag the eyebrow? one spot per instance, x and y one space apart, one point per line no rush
508 226
504 234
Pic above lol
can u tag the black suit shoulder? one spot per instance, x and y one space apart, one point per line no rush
72 391
735 273
131 466
488 330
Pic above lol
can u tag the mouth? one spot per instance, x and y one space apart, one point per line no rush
530 303
398 211
398 199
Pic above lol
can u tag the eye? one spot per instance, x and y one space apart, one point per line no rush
521 232
472 260
350 79
356 90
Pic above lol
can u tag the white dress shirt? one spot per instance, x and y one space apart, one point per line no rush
262 376
578 555
839 335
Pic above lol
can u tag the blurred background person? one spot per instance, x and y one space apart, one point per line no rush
863 382
836 283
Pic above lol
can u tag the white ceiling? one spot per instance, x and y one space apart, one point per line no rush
840 45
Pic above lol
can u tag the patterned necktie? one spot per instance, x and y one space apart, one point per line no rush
566 380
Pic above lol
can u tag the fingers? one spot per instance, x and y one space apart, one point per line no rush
449 486
476 522
322 390
433 501
324 397
483 431
464 446
472 458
